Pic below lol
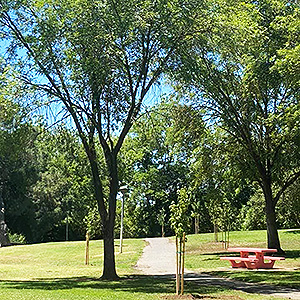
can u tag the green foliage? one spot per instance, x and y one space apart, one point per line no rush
289 208
238 81
98 59
252 216
180 215
236 76
154 167
63 189
161 217
17 165
239 60
17 238
92 222
224 187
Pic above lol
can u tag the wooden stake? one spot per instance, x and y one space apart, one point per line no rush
87 254
228 238
177 265
182 264
216 232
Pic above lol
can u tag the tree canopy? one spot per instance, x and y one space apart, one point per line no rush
99 59
240 81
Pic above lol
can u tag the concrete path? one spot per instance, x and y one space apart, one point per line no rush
158 258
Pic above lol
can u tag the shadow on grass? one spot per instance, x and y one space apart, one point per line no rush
292 253
296 231
216 253
289 279
134 283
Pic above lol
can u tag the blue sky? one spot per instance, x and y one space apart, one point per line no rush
54 112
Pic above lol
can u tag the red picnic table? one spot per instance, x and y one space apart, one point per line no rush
257 261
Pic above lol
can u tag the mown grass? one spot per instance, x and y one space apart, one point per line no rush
203 255
57 271
55 260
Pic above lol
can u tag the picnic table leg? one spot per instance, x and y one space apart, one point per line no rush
240 264
261 264
251 264
235 264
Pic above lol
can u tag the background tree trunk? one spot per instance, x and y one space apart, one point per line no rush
4 239
216 230
197 220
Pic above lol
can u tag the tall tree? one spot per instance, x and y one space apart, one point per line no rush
241 79
99 59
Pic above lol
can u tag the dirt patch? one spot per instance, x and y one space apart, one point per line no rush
194 297
183 297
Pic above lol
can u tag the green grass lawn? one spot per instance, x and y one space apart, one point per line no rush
203 255
57 271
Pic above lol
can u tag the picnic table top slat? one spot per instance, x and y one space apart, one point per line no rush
256 250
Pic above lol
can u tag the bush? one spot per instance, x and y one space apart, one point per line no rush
17 238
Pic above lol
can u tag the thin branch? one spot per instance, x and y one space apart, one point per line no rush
288 183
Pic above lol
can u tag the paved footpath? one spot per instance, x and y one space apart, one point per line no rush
158 258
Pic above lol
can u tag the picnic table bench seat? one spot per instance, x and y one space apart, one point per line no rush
274 258
238 262
238 258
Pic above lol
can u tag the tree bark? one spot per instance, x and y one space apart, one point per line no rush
197 221
107 215
216 229
4 239
162 230
272 232
109 264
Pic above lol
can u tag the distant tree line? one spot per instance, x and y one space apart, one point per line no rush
45 182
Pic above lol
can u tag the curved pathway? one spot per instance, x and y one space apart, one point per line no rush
158 258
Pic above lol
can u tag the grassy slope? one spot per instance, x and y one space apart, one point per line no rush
57 271
203 255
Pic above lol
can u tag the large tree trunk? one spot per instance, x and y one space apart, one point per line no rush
107 216
273 237
109 264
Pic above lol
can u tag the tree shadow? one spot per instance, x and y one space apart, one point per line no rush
217 253
292 253
276 277
296 231
135 284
